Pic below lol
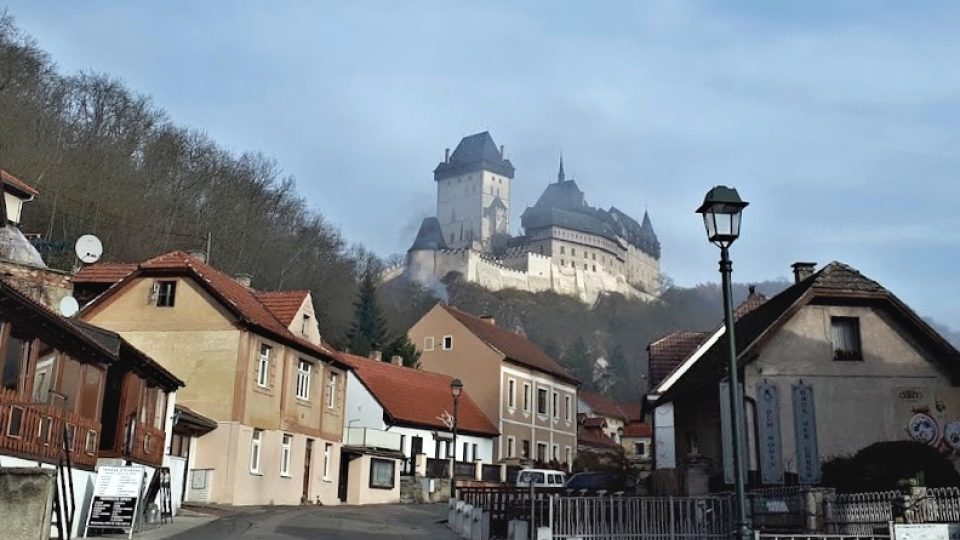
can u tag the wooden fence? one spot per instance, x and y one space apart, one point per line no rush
36 431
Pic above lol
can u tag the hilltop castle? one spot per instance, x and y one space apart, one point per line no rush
567 246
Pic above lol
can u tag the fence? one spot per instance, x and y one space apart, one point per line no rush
438 468
869 514
35 431
665 518
780 508
464 469
490 473
934 505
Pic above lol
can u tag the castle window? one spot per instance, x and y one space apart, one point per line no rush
563 250
594 268
594 255
563 262
585 266
573 252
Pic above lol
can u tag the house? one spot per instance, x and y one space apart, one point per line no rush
72 389
530 398
595 405
595 449
814 360
416 407
253 362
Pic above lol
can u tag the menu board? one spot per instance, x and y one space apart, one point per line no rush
116 498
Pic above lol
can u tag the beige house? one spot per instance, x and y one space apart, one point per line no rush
252 361
529 397
832 364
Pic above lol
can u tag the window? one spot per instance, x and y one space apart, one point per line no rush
428 343
447 343
640 448
556 452
381 473
263 367
541 452
563 262
526 449
303 380
563 250
465 456
526 397
474 451
511 390
255 451
568 453
16 350
573 252
541 401
585 265
556 405
305 325
285 455
511 447
327 448
846 338
166 293
566 408
332 390
595 258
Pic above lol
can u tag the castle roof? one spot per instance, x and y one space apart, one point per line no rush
429 237
474 153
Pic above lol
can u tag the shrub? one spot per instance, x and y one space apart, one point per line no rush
890 465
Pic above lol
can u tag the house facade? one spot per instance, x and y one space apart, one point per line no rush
814 359
529 397
253 363
594 405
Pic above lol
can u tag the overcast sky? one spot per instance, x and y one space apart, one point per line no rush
838 121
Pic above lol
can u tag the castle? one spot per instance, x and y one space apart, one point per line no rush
567 246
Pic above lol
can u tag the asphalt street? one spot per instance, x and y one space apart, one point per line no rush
378 522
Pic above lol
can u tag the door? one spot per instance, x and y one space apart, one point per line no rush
344 473
307 460
416 448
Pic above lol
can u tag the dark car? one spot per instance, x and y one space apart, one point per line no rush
596 481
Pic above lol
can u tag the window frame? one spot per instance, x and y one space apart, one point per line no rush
511 393
511 446
841 355
447 343
542 392
332 383
393 473
263 366
256 451
428 343
168 298
566 408
556 405
327 454
286 454
303 379
527 398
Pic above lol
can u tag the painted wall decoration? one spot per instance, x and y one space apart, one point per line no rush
768 433
930 415
805 434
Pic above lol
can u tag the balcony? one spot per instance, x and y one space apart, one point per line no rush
146 446
35 431
372 438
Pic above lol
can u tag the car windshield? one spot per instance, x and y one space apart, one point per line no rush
531 477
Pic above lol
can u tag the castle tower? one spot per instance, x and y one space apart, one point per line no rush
473 192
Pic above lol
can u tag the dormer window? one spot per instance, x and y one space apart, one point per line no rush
165 293
845 335
305 325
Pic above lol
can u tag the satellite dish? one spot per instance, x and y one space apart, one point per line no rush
88 249
69 306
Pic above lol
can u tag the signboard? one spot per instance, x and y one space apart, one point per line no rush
926 531
116 498
726 429
768 427
663 437
805 434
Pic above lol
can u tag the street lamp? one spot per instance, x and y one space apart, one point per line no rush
456 388
721 210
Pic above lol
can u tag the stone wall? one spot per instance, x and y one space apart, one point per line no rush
44 285
26 502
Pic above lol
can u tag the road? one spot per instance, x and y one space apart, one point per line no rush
379 522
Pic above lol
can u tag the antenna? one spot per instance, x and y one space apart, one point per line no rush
88 249
69 306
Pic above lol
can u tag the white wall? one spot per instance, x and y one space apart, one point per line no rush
484 444
362 409
14 207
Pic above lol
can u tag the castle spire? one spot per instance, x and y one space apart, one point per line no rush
560 174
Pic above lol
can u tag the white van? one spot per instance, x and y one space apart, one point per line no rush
541 478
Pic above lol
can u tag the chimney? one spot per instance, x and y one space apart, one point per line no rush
199 255
502 153
396 360
244 279
489 319
752 289
446 156
376 355
802 270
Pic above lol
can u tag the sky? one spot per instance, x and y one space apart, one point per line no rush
837 121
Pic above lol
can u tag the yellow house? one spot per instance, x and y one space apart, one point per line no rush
252 361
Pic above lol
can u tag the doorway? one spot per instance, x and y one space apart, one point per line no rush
307 460
416 448
344 480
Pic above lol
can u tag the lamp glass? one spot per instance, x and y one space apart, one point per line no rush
456 387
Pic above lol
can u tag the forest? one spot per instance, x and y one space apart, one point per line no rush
109 161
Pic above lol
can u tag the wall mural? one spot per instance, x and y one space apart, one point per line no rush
932 417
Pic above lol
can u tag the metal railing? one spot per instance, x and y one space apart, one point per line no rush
779 508
372 438
862 514
935 505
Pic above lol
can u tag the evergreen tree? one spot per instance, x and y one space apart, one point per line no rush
403 347
578 360
368 332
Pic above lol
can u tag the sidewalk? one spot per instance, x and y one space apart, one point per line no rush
181 523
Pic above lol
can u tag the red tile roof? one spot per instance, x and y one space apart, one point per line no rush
637 429
666 353
601 405
283 304
239 299
414 397
513 346
593 422
18 184
592 436
753 301
107 273
633 411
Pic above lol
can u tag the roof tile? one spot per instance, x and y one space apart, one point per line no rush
283 304
17 183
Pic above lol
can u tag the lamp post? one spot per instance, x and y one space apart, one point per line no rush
456 388
721 210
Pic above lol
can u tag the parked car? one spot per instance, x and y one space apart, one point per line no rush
541 478
596 481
